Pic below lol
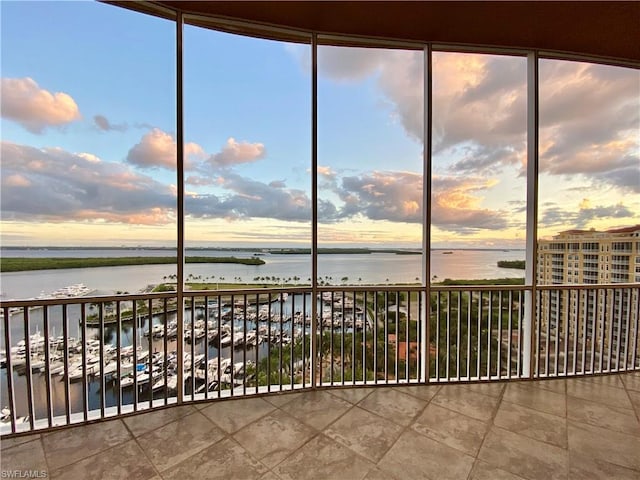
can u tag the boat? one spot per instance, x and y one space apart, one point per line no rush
447 253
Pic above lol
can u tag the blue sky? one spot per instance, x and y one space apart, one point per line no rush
88 138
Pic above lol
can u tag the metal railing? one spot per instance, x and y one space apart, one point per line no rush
73 360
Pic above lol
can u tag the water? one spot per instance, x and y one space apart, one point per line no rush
375 268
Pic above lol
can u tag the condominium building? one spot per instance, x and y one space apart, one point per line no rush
590 257
590 315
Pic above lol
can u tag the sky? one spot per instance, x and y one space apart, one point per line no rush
88 154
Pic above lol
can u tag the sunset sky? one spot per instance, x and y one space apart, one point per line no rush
88 139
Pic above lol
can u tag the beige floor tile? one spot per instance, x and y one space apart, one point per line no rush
232 415
532 423
476 405
585 467
557 385
70 445
423 392
365 433
618 419
317 408
124 461
595 392
13 441
393 405
274 437
493 389
178 440
223 460
351 395
269 476
142 423
600 443
323 458
25 456
631 381
451 428
536 398
608 380
485 471
377 474
634 397
415 456
524 456
281 399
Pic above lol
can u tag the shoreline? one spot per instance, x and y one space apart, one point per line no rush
24 264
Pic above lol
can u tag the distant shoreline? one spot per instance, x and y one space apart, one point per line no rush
22 264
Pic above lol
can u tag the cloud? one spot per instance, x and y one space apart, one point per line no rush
397 197
556 216
234 153
157 149
247 198
53 185
35 108
103 124
589 113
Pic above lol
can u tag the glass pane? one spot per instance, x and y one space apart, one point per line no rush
370 189
248 134
479 167
88 149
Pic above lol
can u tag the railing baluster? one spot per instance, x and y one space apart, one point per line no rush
135 354
291 344
342 334
244 344
219 325
118 357
594 324
10 384
65 377
479 335
627 330
469 310
634 351
101 364
576 330
47 364
375 337
558 327
28 373
364 336
269 318
438 306
257 366
280 342
192 370
489 328
509 333
448 337
499 337
585 333
611 324
619 322
519 365
165 347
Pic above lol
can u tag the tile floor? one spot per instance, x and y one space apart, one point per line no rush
583 428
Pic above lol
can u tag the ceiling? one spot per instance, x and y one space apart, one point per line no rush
610 30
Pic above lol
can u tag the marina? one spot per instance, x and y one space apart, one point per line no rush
225 346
